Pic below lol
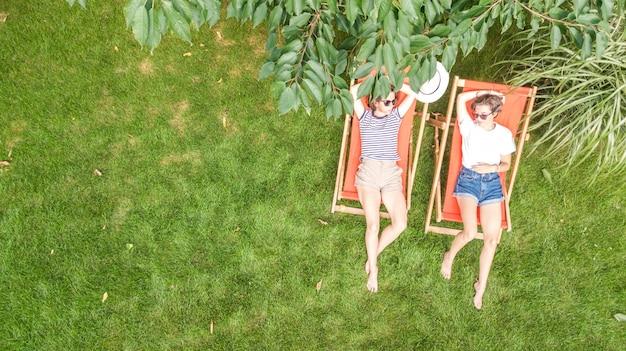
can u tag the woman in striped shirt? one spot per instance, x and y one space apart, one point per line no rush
379 177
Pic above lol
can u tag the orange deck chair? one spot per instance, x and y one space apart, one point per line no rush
518 105
345 193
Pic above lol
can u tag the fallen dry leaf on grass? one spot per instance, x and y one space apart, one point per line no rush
187 54
323 222
97 172
224 121
219 35
219 80
319 285
116 48
3 17
211 327
105 296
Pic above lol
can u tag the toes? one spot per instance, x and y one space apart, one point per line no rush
446 266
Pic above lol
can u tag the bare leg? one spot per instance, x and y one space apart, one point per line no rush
468 207
490 219
370 201
396 206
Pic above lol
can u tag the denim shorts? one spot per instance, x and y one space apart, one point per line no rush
381 175
484 188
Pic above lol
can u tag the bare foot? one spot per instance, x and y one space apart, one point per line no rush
478 297
372 280
446 266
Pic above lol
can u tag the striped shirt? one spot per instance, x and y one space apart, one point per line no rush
379 135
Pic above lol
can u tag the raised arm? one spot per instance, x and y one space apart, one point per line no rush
359 108
403 108
461 105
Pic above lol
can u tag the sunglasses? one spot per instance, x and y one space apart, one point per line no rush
389 102
482 116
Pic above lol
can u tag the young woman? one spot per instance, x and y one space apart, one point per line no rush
378 176
486 150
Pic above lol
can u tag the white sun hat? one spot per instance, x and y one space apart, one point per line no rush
434 89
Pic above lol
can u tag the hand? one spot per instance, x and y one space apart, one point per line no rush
497 93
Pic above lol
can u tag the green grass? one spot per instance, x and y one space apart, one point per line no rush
224 203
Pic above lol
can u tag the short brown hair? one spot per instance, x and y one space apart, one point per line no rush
493 101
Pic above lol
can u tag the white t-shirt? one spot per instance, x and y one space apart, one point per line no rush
484 146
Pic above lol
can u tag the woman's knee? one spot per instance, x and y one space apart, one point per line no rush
468 235
373 228
400 224
490 242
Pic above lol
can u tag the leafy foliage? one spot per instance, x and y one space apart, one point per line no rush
315 46
581 112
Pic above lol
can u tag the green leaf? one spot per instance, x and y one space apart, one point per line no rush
576 36
131 9
389 57
347 101
176 21
316 69
312 89
430 11
587 46
588 19
287 100
182 7
461 28
439 30
579 5
363 70
408 8
446 4
352 10
275 17
367 48
267 69
557 13
555 37
420 42
602 41
212 11
384 8
606 9
288 58
154 32
378 56
141 25
336 108
259 14
366 86
340 68
272 39
449 55
332 6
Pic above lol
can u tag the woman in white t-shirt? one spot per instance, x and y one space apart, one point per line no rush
486 150
378 176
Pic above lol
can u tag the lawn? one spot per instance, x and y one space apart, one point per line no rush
159 202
